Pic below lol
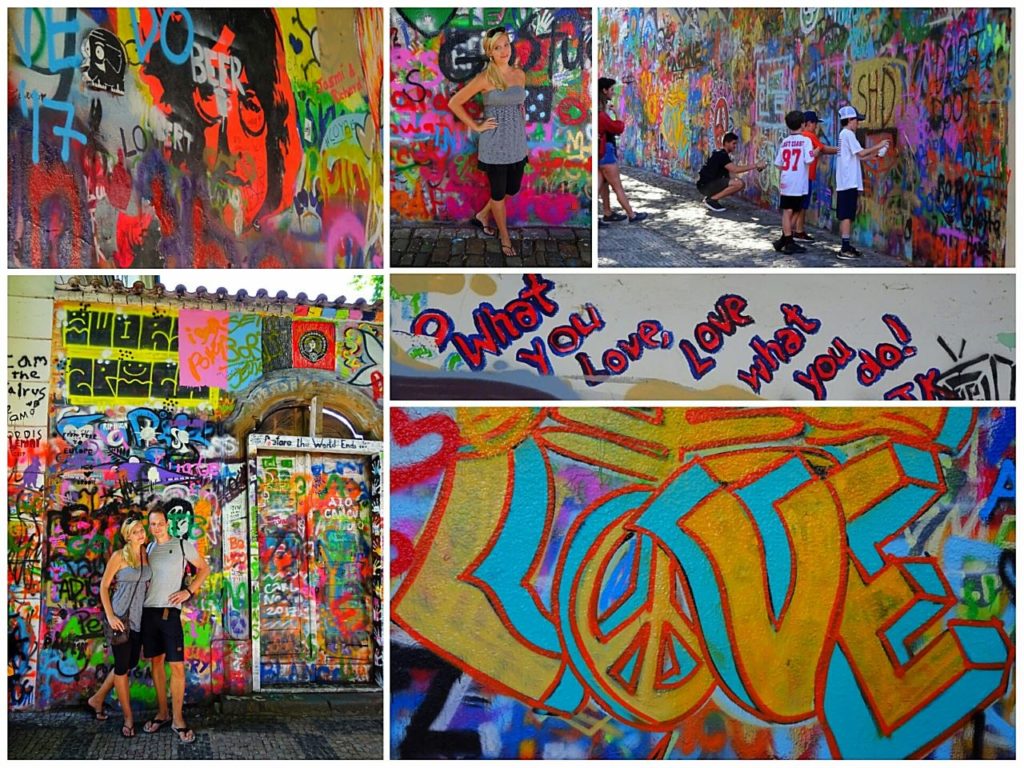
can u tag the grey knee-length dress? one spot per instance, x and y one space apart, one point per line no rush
506 144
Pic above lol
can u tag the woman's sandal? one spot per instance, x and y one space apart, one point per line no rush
97 714
186 735
508 250
154 725
489 231
128 731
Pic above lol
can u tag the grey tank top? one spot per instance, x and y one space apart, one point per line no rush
123 601
506 143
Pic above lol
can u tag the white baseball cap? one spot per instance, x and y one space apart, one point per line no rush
848 113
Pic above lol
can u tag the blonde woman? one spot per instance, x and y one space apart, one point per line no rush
129 572
502 150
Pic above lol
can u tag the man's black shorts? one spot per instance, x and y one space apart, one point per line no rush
791 202
846 204
163 635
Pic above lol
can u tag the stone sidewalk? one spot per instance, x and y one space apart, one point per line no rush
682 232
312 727
459 245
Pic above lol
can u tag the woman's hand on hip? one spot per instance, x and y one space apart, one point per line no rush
487 125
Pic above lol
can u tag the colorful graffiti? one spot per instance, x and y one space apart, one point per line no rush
209 138
936 82
434 51
189 356
313 517
804 337
135 434
717 583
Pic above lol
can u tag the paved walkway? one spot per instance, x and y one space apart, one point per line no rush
456 245
682 232
274 728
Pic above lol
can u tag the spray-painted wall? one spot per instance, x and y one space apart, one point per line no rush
937 83
195 138
148 401
434 52
29 320
849 337
724 583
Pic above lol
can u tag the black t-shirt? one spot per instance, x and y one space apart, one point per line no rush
714 168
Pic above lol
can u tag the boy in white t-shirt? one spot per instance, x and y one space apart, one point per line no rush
796 153
849 176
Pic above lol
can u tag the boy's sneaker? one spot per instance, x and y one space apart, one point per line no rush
638 217
617 216
848 252
714 205
778 244
601 223
792 247
803 236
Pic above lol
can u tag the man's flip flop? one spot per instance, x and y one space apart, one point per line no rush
154 725
186 734
489 231
97 714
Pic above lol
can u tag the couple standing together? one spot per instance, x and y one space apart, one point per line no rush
143 615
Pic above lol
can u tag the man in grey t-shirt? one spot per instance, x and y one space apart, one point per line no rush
163 639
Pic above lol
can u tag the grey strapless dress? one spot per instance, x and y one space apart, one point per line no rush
130 592
506 144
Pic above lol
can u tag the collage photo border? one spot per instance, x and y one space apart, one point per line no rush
540 437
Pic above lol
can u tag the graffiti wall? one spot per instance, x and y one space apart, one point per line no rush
434 52
935 82
29 318
713 583
850 337
143 407
319 583
142 138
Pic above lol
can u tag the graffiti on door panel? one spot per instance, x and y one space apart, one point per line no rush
315 562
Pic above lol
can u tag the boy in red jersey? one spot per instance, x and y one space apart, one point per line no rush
810 130
796 152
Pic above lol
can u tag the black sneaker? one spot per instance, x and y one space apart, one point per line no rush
602 224
637 217
778 244
803 236
713 205
848 252
791 247
615 217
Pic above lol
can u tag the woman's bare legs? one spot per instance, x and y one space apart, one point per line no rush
121 684
604 191
484 217
97 700
498 211
611 175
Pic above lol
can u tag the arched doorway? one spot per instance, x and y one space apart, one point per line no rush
313 510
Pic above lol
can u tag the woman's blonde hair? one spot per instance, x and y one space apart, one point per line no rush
130 554
491 69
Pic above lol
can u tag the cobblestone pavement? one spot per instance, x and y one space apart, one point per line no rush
456 245
682 232
244 729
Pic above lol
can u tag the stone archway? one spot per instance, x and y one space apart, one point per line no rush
299 387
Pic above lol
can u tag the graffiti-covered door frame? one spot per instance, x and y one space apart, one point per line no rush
279 443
